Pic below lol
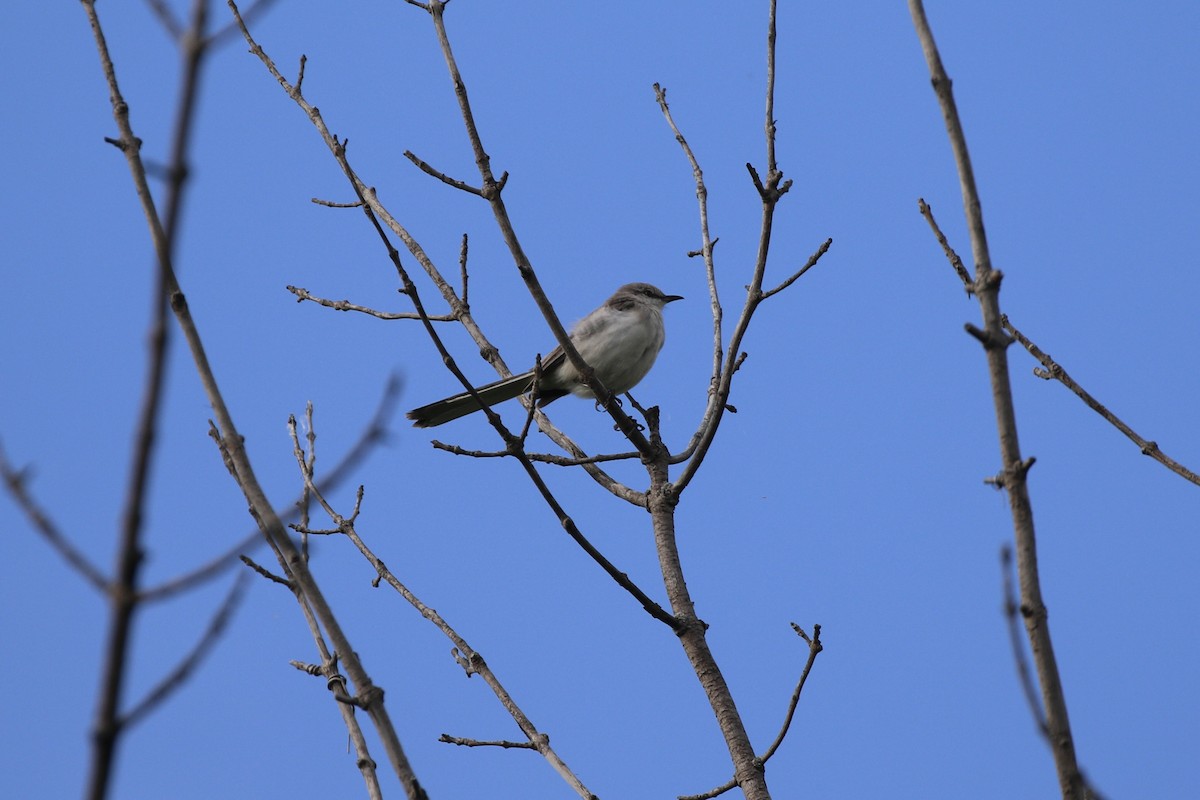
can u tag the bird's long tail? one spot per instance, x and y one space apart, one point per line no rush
460 405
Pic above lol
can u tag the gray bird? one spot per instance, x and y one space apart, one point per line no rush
619 340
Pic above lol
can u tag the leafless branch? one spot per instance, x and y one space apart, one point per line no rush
178 676
123 597
232 440
334 204
953 257
1052 370
252 12
471 661
541 458
15 481
166 18
266 573
987 288
462 271
335 682
814 647
727 359
507 745
1012 614
663 495
707 242
1011 607
446 179
374 433
345 305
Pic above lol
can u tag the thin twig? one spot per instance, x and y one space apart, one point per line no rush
252 12
814 647
373 434
1012 614
955 261
441 176
176 678
812 262
471 661
15 480
541 458
1054 371
345 305
335 204
727 359
266 573
707 243
1024 674
507 745
462 271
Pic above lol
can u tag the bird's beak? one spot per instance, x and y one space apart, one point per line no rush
671 298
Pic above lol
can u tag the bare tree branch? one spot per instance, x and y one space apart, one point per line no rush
166 18
373 434
15 480
504 743
541 458
987 287
726 364
952 256
1011 609
252 12
470 660
1054 371
334 204
812 262
345 305
266 573
446 179
178 676
814 647
123 597
231 439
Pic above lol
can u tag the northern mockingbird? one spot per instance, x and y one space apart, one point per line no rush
619 340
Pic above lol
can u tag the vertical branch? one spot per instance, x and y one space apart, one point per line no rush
770 192
706 252
123 592
367 695
747 769
770 123
1013 478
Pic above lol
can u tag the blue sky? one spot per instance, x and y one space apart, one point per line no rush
847 491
